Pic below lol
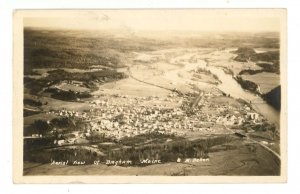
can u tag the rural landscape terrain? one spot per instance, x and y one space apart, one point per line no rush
116 103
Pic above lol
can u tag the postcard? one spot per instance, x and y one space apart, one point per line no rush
150 96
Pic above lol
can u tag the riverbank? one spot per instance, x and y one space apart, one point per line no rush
229 86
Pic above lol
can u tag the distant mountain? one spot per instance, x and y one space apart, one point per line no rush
274 97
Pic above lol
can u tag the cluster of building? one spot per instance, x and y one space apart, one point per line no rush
127 120
119 122
68 113
131 116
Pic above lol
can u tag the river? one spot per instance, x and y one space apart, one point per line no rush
229 86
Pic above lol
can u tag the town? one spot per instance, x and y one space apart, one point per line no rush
126 116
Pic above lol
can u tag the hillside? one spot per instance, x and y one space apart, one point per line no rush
274 97
78 49
269 61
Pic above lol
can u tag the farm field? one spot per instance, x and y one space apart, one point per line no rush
266 81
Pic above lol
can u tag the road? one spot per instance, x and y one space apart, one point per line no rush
254 141
145 82
264 146
30 109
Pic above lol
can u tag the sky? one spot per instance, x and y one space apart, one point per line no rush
250 20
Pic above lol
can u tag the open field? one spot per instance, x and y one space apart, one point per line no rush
266 81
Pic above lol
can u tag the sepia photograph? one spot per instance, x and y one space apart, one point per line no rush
150 95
